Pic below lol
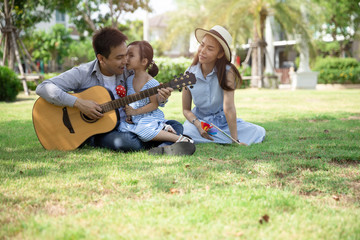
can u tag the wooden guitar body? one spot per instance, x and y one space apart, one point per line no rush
66 128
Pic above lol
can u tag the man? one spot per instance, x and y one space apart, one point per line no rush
107 70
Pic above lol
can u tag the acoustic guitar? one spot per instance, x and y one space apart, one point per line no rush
66 128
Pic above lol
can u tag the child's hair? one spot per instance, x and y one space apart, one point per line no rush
146 51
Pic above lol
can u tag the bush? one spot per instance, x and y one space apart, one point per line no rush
10 84
170 67
338 70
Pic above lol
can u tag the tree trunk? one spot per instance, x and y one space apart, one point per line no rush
257 56
254 58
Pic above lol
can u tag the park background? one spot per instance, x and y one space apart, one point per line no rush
301 183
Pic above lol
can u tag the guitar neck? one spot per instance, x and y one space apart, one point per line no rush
121 102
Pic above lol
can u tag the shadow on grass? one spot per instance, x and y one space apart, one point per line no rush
295 152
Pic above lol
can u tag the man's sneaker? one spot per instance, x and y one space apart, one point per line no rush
178 149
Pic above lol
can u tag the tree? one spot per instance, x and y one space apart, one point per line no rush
22 15
342 21
51 46
182 23
286 13
243 18
88 15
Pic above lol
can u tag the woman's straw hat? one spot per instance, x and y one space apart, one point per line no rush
221 34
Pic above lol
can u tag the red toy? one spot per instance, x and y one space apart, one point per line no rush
121 91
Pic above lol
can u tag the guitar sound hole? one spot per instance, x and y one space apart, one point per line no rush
87 119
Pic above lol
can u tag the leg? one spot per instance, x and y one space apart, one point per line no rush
178 127
118 141
171 137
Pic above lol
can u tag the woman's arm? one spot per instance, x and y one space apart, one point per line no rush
189 115
151 106
229 105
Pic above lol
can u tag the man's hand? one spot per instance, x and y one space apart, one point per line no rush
89 108
164 94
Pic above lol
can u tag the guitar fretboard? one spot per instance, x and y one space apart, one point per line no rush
121 102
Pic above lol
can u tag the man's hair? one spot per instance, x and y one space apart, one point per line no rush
105 39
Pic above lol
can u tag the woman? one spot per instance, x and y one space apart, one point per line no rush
213 93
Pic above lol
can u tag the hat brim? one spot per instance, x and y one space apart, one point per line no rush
200 34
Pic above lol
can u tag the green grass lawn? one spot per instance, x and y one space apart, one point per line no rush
305 177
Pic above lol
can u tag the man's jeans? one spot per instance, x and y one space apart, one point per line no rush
127 141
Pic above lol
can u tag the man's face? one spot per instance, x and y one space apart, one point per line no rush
115 63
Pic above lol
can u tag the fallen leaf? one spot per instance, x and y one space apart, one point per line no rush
336 198
239 234
264 218
187 165
326 131
21 172
174 190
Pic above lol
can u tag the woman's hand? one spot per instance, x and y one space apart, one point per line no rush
202 132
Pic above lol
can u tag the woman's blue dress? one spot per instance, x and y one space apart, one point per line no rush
208 97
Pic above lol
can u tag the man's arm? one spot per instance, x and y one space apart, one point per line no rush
55 90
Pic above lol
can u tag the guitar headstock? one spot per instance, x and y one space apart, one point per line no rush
183 81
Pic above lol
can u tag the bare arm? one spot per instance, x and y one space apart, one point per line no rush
229 106
189 115
151 106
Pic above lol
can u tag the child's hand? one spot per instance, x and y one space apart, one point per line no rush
130 111
129 120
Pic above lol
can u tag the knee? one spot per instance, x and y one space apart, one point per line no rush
178 127
127 142
119 141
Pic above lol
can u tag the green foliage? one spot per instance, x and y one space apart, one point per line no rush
342 21
81 52
9 84
158 47
338 70
27 13
170 67
53 45
132 29
89 15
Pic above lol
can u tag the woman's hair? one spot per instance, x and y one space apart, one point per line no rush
105 39
220 65
146 51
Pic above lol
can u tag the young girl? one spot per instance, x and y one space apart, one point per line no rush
145 119
213 93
